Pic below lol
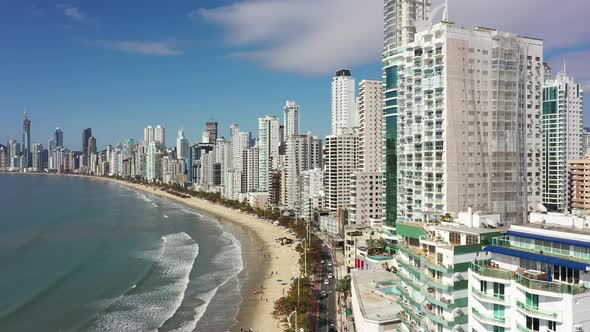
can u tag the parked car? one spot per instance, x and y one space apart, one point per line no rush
326 282
323 294
330 275
323 261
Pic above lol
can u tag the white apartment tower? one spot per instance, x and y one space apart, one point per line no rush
343 102
366 182
152 151
37 154
291 113
250 168
300 156
340 162
157 135
563 139
469 126
182 148
400 18
370 126
268 149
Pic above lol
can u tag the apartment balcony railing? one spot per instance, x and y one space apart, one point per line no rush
489 319
489 297
535 312
491 272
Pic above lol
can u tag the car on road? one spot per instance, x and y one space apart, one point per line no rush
323 294
329 263
330 275
323 261
326 282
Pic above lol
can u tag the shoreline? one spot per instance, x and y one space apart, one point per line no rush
255 311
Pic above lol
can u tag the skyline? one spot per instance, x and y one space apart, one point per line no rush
117 70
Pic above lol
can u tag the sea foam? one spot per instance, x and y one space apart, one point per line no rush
156 298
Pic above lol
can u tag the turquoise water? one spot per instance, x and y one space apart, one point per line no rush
84 254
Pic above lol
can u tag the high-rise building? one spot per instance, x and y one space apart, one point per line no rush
4 155
160 136
563 139
476 146
157 135
399 27
366 183
400 18
340 161
291 114
343 101
92 145
14 152
240 143
27 141
300 156
268 149
182 149
37 157
251 169
212 130
86 134
370 126
151 161
312 192
58 138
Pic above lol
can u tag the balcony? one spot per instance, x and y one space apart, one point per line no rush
431 263
489 319
489 297
535 312
490 272
438 300
548 286
436 283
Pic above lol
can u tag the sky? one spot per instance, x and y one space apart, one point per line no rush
118 66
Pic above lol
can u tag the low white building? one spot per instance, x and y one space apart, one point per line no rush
374 301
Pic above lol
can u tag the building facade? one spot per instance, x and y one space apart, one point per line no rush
343 101
268 149
563 139
533 278
340 162
466 139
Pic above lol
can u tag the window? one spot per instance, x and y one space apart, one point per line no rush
551 325
532 323
499 290
472 239
483 286
498 329
498 312
532 300
455 238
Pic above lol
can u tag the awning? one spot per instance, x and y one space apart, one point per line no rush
538 257
578 243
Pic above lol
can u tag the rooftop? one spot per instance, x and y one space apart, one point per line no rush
556 228
456 227
378 293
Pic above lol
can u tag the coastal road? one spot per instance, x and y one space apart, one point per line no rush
327 305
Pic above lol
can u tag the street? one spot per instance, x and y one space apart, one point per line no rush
327 305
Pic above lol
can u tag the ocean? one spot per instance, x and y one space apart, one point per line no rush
81 254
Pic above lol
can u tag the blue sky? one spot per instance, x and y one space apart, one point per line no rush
117 66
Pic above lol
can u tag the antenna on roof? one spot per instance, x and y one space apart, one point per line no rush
445 17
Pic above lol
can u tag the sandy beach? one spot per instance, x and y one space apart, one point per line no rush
256 309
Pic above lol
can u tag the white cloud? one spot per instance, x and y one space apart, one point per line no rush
72 12
161 48
319 36
308 36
